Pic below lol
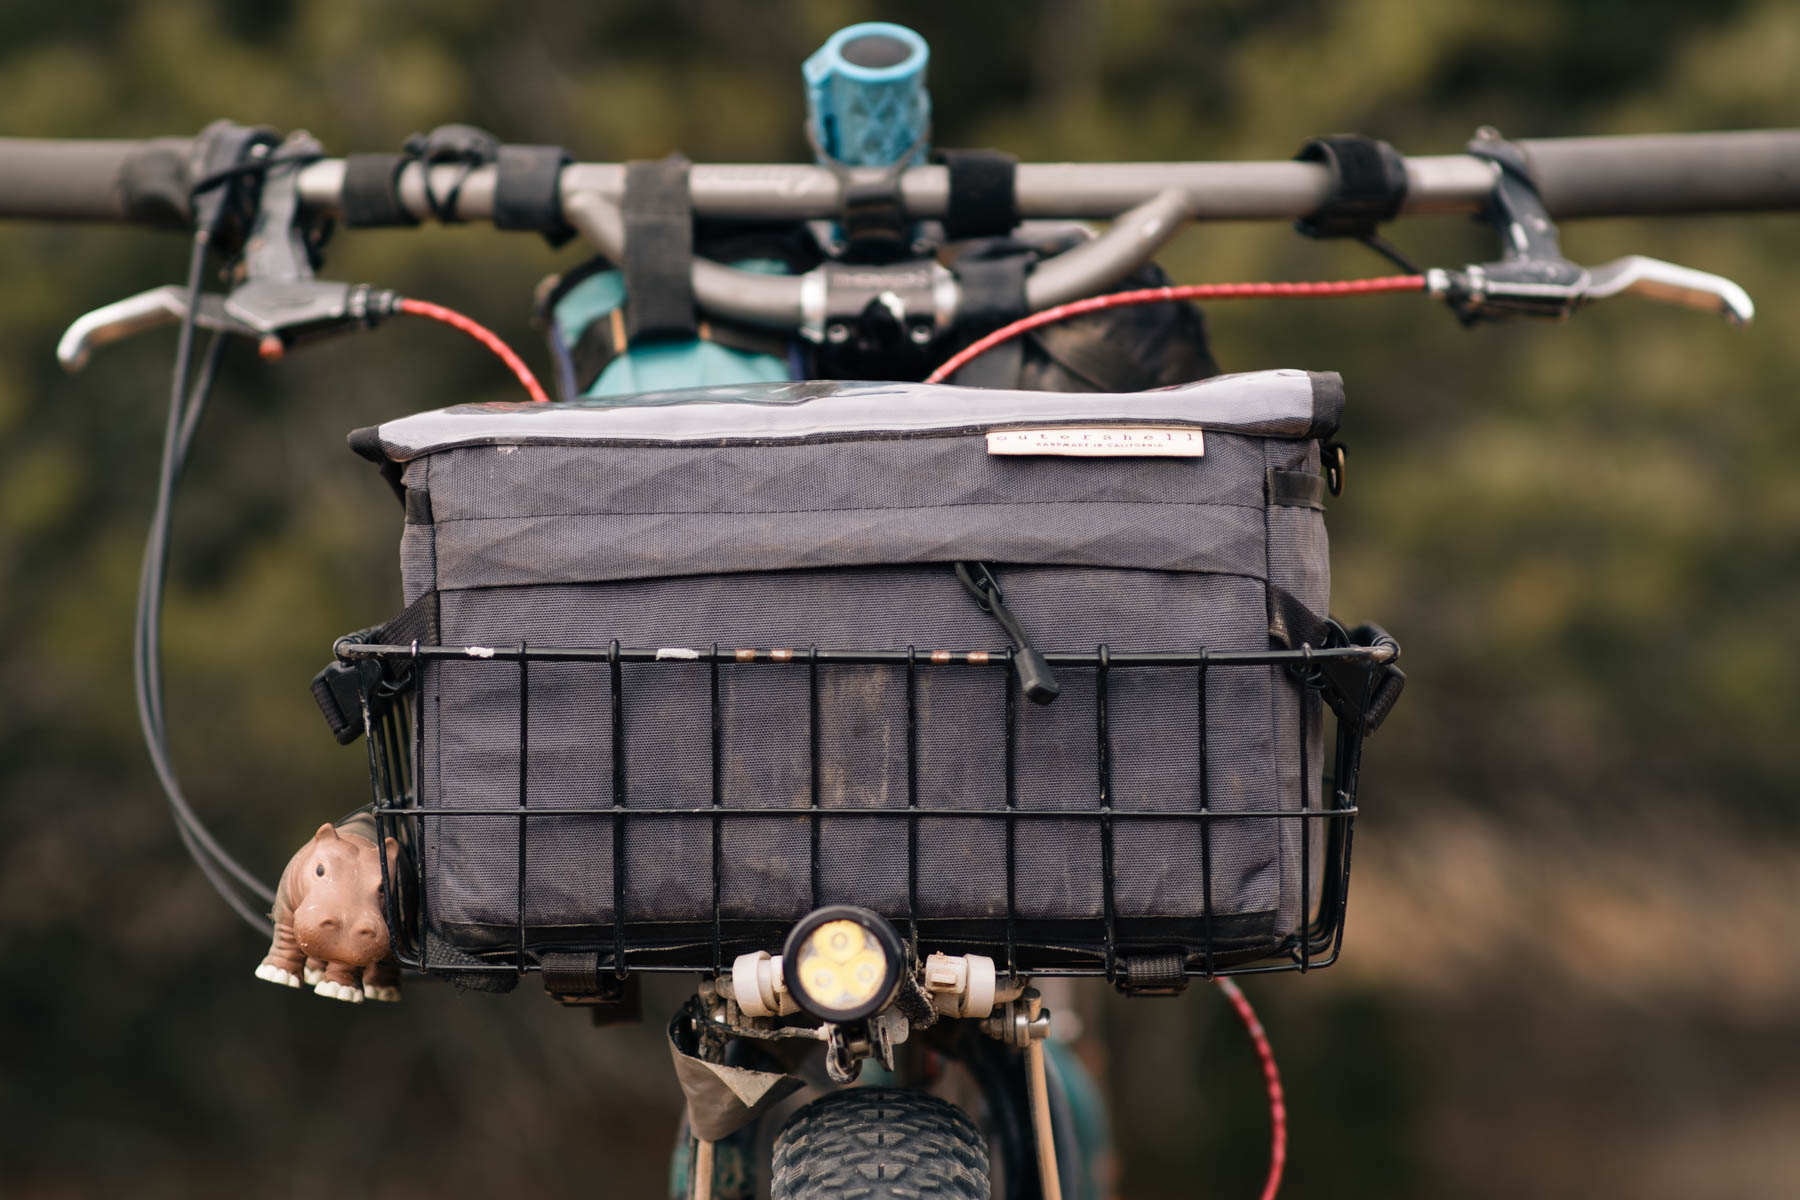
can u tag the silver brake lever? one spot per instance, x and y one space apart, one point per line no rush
159 306
1659 280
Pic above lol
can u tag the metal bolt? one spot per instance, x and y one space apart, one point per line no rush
920 334
837 333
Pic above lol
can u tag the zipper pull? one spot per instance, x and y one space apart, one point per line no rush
1036 679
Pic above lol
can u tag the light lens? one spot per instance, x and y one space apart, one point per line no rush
840 966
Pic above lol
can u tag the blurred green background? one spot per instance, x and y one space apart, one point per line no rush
1574 945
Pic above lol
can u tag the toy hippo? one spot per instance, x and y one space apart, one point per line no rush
330 930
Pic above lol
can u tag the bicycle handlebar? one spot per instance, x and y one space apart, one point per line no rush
1756 170
139 181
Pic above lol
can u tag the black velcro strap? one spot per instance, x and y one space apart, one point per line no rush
1369 185
1293 625
1296 489
570 974
993 294
371 195
659 249
983 193
528 191
417 622
418 506
875 224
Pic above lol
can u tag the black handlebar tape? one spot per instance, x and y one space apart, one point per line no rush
1667 173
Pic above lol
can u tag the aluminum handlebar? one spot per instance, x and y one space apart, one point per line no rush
1147 202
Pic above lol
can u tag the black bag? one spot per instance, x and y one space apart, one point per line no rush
666 795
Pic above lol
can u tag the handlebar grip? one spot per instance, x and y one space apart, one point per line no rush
1667 173
93 180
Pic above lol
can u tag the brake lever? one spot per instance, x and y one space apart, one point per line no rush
278 314
1672 284
133 315
1553 290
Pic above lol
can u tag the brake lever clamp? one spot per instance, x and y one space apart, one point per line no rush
279 303
1533 279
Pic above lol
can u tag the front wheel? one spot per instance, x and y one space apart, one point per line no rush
882 1144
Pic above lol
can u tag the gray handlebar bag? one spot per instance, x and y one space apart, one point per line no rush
829 515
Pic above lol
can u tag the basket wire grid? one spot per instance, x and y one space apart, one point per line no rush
392 721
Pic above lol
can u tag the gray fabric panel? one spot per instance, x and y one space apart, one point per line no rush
418 543
555 514
862 730
943 471
1282 403
535 550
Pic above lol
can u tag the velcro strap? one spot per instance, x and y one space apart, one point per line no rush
371 193
1369 185
1292 624
417 622
659 249
1297 489
874 220
528 191
417 502
570 973
983 193
993 293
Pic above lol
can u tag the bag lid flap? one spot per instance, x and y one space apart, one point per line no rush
1280 403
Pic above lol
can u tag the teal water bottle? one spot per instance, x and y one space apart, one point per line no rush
866 102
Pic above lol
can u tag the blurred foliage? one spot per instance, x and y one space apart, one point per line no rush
1584 537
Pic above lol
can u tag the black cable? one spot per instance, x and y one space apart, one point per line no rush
190 422
1389 251
198 396
184 414
257 166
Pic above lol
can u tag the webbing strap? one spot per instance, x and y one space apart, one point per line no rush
983 193
1297 489
1369 185
993 294
659 249
371 195
528 191
339 688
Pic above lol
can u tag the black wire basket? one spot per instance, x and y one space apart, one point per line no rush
1356 680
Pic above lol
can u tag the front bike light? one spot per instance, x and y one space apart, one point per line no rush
842 963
